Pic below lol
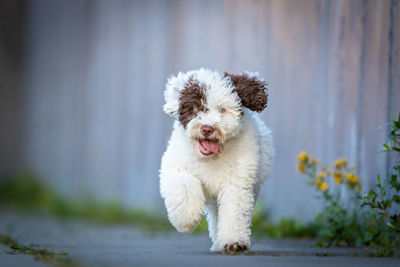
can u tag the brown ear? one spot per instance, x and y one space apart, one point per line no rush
251 90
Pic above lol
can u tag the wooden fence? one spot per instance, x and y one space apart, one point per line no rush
95 72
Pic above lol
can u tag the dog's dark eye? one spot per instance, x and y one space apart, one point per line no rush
222 110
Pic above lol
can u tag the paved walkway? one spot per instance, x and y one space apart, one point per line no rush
100 245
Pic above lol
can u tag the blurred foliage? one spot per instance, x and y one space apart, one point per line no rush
285 228
24 192
262 226
346 223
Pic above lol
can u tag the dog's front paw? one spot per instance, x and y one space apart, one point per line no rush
185 218
186 227
235 248
184 201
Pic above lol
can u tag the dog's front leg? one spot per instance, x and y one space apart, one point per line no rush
235 210
184 199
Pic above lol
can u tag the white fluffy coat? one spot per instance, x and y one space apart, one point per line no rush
223 186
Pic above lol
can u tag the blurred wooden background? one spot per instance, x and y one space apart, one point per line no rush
94 72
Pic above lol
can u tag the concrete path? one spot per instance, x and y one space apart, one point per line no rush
101 245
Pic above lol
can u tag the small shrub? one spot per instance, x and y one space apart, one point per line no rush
338 221
346 223
386 197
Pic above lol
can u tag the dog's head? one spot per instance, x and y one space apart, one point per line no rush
209 105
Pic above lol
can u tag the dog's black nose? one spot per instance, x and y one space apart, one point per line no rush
206 130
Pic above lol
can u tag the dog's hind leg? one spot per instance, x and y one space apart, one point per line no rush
184 199
212 220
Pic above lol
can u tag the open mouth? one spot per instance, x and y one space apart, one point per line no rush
208 147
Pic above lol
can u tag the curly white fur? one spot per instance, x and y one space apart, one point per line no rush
223 186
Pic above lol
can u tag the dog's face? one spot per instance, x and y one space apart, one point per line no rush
209 105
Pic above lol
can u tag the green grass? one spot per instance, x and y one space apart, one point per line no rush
285 228
262 226
40 254
24 192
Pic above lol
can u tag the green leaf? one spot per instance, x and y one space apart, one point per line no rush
372 193
396 199
388 148
379 180
387 203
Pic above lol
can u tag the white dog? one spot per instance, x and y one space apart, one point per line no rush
218 156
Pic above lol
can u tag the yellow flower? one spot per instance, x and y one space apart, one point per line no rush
320 176
338 180
338 175
303 157
323 186
342 162
301 168
352 178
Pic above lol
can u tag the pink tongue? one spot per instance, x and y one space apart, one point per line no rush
210 146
